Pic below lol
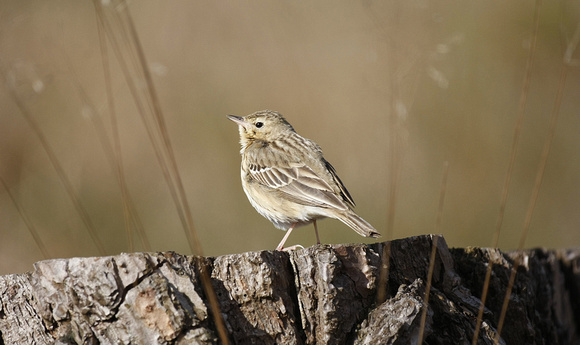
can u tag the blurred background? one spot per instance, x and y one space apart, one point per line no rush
389 90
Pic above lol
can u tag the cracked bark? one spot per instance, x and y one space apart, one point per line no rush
325 294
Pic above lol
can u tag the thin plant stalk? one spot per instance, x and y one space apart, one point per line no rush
31 228
513 153
60 173
116 32
131 216
535 194
433 251
163 150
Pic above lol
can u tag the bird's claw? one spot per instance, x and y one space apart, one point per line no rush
294 247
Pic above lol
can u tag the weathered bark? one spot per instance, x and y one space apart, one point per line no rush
326 294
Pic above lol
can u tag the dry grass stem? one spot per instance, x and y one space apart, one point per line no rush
535 193
513 152
31 228
433 251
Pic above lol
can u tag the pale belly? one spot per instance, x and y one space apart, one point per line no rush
280 211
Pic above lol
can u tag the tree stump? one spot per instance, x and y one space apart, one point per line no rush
326 294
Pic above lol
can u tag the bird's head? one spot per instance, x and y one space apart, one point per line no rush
264 125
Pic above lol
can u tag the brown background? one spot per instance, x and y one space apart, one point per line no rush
453 71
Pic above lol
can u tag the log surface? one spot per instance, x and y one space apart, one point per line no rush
326 294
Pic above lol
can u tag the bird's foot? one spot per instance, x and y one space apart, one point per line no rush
294 247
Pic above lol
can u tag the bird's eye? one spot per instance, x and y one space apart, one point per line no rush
259 124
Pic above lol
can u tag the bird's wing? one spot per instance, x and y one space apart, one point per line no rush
343 191
299 184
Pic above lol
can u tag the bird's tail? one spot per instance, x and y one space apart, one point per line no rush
361 226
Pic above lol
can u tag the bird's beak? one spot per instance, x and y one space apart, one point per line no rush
239 120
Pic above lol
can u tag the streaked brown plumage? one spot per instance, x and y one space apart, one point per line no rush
287 179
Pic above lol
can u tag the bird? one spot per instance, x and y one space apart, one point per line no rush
287 179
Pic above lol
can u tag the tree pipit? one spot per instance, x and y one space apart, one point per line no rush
287 179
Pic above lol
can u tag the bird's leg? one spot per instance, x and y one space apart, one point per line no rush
281 245
316 231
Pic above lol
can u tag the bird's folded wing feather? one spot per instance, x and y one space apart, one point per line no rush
299 184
